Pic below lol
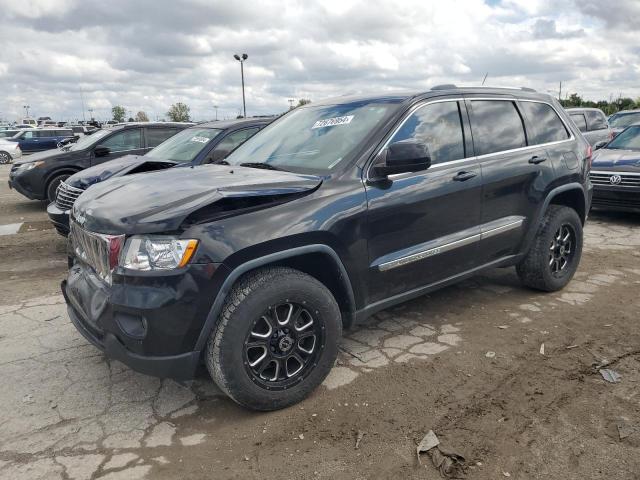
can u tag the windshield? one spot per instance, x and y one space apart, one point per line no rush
184 146
628 139
90 140
312 139
624 119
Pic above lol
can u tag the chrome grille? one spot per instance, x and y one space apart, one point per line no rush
98 251
627 179
66 196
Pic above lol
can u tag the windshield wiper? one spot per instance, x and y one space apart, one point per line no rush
266 166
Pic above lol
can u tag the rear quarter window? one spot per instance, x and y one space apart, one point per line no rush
155 136
547 126
580 121
596 120
496 126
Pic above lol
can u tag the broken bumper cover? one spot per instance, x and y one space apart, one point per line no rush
148 322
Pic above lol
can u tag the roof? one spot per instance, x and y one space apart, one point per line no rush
583 109
149 124
225 124
447 89
628 111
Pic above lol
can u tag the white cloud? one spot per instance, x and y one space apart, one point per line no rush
148 54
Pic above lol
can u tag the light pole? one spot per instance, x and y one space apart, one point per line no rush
291 100
26 107
216 107
241 59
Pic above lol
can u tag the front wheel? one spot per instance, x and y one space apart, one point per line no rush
555 254
276 339
4 158
52 187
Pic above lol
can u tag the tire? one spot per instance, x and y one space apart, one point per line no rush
53 184
5 158
552 261
259 300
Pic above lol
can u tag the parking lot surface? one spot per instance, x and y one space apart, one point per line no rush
504 375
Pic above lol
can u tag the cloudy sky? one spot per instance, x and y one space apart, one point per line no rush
148 54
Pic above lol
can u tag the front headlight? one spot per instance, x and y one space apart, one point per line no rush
157 252
28 166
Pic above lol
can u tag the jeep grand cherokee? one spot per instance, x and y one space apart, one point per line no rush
333 212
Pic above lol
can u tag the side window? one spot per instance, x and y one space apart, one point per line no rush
438 125
155 136
126 140
231 142
496 126
579 120
28 135
546 123
596 120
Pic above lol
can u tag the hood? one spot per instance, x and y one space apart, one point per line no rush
621 160
45 155
163 201
128 164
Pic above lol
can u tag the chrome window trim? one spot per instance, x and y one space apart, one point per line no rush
430 252
413 109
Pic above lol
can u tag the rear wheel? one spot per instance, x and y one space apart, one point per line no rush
276 339
555 254
4 158
53 185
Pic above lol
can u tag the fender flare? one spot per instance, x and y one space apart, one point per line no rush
237 272
547 201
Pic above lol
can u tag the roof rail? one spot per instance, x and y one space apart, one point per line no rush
445 86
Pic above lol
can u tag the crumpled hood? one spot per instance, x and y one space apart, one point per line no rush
622 160
160 201
113 168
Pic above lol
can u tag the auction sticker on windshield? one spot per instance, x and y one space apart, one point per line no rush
200 139
330 122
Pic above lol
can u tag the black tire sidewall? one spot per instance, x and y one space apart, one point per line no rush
53 185
564 216
297 289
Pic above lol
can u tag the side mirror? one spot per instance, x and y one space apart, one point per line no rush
101 151
600 144
402 157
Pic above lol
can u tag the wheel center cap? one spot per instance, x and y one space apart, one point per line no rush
561 250
285 343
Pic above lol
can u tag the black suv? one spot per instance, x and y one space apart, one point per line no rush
333 212
37 176
203 143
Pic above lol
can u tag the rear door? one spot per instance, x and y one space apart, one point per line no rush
123 142
31 141
423 227
515 172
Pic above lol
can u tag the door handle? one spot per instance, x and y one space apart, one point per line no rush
536 160
463 176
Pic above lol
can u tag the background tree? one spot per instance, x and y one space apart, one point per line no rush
179 112
118 113
141 117
301 102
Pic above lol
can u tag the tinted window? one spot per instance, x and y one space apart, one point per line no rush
496 126
546 123
125 140
232 141
438 125
596 120
580 121
155 136
624 119
64 133
77 129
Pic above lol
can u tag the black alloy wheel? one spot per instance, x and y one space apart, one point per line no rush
282 345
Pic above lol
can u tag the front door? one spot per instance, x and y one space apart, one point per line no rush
123 142
423 226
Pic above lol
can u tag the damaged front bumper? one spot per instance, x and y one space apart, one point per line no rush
149 322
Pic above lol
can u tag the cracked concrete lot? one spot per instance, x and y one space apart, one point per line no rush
465 362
